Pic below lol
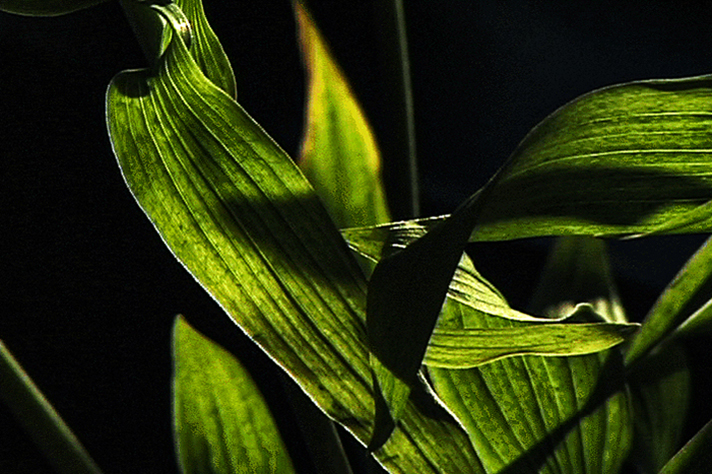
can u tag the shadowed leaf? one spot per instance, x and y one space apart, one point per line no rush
45 7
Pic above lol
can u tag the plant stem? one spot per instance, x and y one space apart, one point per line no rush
400 168
40 420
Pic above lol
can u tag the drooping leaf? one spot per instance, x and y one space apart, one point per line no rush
695 456
40 420
46 7
467 348
660 390
339 153
561 415
689 290
237 212
626 160
222 423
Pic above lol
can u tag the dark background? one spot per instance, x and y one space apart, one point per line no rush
87 289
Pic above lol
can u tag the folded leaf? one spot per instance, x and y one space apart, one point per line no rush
45 7
222 423
339 153
237 212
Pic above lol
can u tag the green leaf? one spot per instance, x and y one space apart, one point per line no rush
40 420
467 348
626 160
222 423
691 288
238 213
695 456
531 414
45 7
546 415
660 390
154 32
339 153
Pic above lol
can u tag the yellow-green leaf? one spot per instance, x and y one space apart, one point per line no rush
339 153
222 423
238 213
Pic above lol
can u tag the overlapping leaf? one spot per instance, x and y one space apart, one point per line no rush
236 211
222 423
339 154
694 457
45 7
627 160
547 415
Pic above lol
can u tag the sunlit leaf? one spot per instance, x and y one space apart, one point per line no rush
339 154
154 34
690 289
695 457
660 389
45 7
221 421
237 212
626 160
563 415
467 348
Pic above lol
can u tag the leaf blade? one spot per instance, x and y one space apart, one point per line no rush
220 417
235 210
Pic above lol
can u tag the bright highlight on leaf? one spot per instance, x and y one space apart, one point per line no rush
339 154
222 423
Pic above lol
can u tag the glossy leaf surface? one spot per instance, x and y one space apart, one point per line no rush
339 153
221 421
236 211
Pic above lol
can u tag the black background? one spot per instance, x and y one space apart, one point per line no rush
87 289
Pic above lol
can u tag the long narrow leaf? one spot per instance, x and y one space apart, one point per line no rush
695 456
690 288
236 211
45 7
40 420
222 424
339 153
467 348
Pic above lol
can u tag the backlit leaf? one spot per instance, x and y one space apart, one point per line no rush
690 289
222 423
339 153
632 159
237 212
